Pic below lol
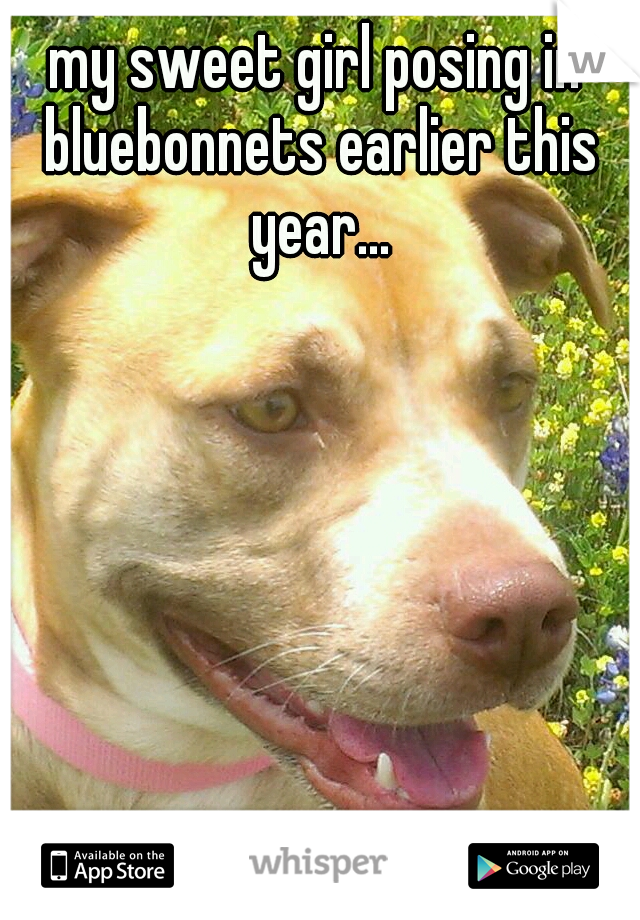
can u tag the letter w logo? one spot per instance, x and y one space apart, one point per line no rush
587 61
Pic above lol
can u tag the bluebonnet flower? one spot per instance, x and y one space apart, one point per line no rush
22 121
615 457
613 682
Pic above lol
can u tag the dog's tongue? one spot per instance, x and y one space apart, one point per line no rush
438 766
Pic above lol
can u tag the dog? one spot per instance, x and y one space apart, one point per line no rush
270 547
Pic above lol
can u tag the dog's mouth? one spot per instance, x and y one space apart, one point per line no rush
352 763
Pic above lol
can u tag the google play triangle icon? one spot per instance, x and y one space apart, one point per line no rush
486 867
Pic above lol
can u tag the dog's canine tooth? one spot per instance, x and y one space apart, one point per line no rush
385 775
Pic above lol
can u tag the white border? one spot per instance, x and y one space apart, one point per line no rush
426 872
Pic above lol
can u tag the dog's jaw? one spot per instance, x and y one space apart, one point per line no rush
351 763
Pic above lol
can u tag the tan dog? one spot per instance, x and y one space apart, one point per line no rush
286 516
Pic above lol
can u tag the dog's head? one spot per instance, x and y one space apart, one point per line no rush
306 490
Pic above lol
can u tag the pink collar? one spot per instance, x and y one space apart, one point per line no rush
57 729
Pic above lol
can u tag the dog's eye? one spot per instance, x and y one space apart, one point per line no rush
271 413
514 392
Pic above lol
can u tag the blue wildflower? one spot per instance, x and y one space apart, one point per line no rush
615 456
613 683
22 121
606 696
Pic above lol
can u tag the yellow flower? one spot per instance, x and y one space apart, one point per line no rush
404 102
620 554
316 39
581 697
559 729
566 505
598 519
552 122
569 438
229 126
327 110
602 364
401 40
600 411
596 571
550 22
623 110
569 350
201 102
527 494
300 122
591 778
132 35
602 662
291 23
622 350
613 96
621 681
349 100
575 324
181 31
564 368
624 731
488 40
541 351
556 306
447 105
541 429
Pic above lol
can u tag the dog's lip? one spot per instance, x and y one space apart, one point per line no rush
336 752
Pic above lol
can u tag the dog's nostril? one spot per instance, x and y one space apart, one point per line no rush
556 620
510 618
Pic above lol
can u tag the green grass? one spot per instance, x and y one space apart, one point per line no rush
584 369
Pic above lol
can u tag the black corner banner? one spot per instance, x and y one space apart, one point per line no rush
533 865
613 27
106 865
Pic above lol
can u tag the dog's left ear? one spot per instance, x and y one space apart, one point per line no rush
531 237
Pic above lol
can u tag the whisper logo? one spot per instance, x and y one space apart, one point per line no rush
486 868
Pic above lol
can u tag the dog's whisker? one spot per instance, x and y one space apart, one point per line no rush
317 670
320 631
256 670
350 677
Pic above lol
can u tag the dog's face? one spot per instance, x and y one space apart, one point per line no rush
307 487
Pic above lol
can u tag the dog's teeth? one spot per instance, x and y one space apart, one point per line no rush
315 707
402 794
385 776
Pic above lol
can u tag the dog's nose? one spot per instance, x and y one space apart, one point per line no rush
509 618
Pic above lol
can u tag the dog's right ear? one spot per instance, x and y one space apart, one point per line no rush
60 227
